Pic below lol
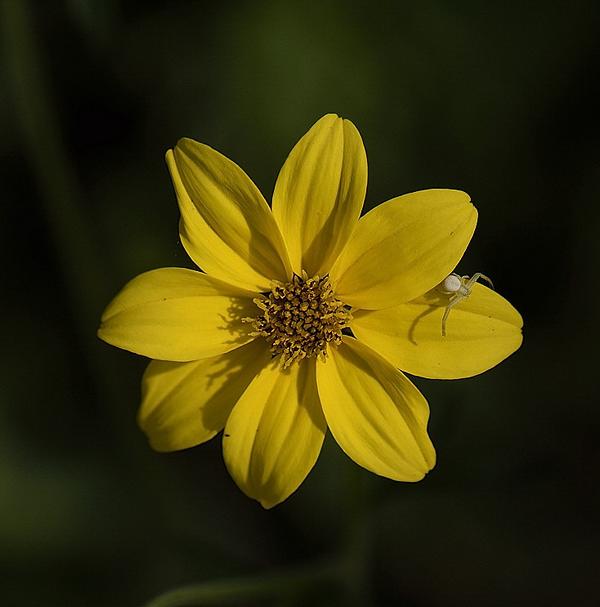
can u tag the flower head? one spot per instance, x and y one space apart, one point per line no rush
302 316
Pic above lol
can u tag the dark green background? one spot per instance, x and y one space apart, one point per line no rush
499 100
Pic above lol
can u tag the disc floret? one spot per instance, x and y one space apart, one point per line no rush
300 318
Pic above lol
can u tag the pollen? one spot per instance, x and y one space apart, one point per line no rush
300 318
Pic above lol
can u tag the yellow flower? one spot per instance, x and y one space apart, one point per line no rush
258 344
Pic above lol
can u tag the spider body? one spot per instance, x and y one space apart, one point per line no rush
458 288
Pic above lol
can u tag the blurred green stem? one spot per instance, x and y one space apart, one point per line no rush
87 278
293 582
80 259
358 540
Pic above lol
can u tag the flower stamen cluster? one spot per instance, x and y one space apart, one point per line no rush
300 318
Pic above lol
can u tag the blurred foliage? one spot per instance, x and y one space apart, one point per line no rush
498 99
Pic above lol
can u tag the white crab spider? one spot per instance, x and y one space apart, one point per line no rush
458 287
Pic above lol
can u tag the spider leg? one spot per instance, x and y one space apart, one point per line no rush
469 284
451 303
463 292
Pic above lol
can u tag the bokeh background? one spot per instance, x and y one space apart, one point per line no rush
498 99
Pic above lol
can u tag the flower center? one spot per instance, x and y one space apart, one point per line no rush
300 318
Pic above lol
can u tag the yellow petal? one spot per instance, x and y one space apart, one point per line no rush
185 404
274 434
177 314
403 248
320 192
226 225
375 413
482 330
